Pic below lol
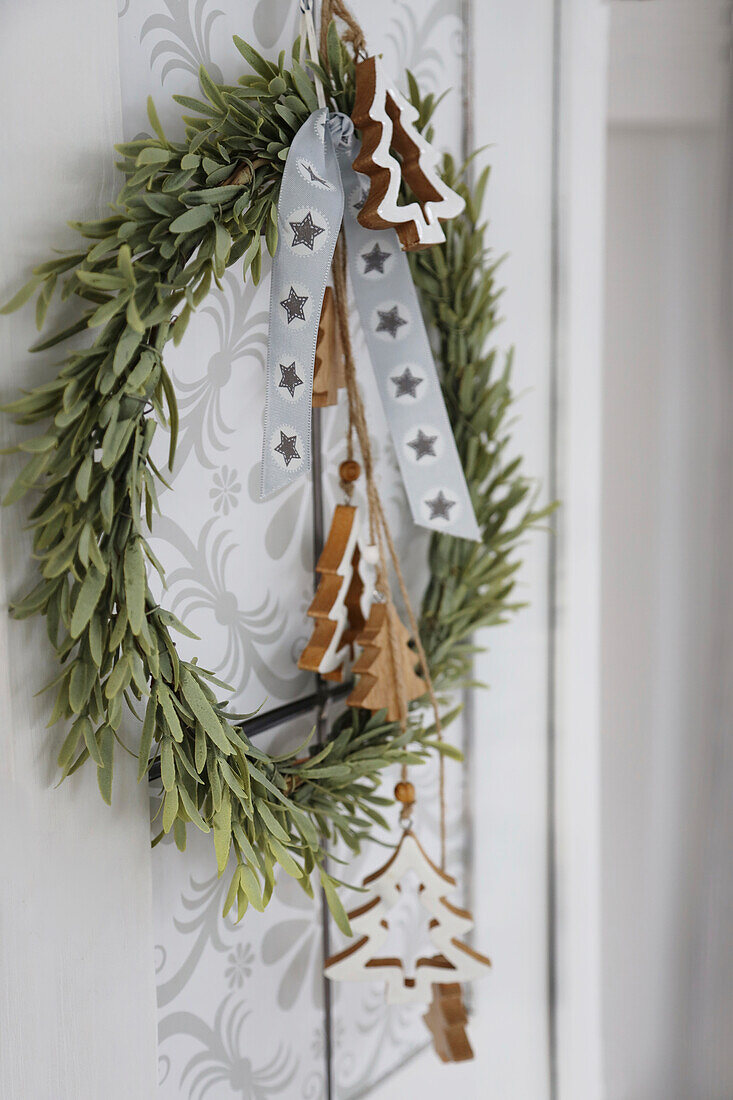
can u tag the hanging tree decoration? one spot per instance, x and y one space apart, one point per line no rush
379 685
454 961
393 150
344 596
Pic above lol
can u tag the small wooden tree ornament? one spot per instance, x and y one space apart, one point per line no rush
388 126
328 374
446 1020
343 598
377 686
454 962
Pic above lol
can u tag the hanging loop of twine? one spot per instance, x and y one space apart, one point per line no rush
351 34
379 531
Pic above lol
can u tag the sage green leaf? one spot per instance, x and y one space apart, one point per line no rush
170 395
271 822
71 741
84 478
38 444
169 619
170 809
250 885
106 312
232 891
104 774
107 501
223 834
191 810
133 318
152 155
119 678
127 345
213 195
210 90
167 764
87 600
242 904
91 741
179 834
169 712
205 713
154 120
200 748
255 60
190 220
284 858
146 737
95 638
23 295
135 585
334 904
306 91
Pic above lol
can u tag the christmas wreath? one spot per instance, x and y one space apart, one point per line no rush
188 210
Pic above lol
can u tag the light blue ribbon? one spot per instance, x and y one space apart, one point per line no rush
309 215
318 173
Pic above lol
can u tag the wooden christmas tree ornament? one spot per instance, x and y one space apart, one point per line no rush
377 686
446 1020
343 598
328 372
454 961
388 127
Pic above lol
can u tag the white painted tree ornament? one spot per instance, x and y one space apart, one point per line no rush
387 122
454 961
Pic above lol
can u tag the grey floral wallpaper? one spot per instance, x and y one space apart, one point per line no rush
243 1011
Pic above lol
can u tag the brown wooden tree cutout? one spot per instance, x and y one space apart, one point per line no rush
343 598
377 686
446 1020
388 127
328 374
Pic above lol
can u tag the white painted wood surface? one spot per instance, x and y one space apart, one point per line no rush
516 48
583 43
667 536
77 1012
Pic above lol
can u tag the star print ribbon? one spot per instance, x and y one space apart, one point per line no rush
310 209
318 174
403 364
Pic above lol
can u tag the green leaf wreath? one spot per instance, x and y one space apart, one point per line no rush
188 210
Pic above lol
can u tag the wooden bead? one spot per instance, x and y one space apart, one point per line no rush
349 470
405 792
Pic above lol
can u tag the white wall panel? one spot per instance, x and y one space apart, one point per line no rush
77 1004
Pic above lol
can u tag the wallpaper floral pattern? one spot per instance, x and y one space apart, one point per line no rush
242 1009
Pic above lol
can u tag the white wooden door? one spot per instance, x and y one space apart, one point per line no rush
530 84
539 103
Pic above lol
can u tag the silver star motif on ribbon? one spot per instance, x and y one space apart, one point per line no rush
289 379
306 231
375 259
390 321
440 506
406 383
293 305
287 447
313 176
423 444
